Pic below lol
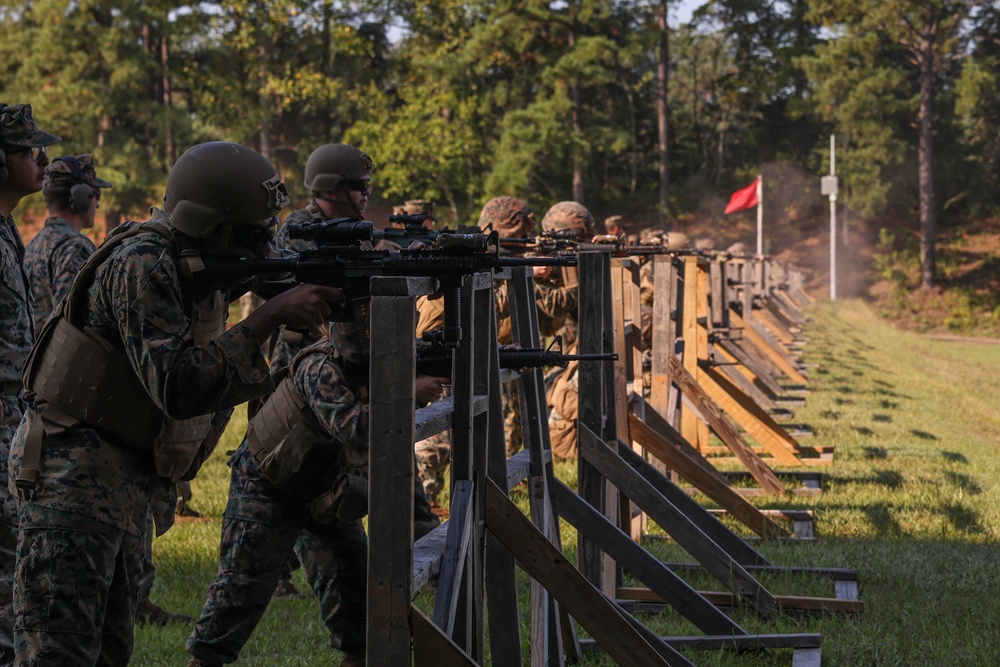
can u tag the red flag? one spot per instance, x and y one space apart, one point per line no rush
743 199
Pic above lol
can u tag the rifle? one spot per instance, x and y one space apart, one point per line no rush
350 268
434 358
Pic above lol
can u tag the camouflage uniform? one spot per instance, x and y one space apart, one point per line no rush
59 251
262 522
433 453
18 129
288 343
93 494
51 262
562 394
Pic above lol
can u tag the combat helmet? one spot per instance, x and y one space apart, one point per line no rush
331 164
220 182
510 216
569 215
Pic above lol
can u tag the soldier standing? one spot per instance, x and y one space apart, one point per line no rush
22 170
72 192
133 381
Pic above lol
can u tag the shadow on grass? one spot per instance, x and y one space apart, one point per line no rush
882 419
954 457
874 452
881 519
863 430
964 482
924 435
963 518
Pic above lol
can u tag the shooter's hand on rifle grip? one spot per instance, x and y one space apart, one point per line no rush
427 389
299 308
542 272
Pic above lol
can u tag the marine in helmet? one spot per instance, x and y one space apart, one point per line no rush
22 170
339 177
134 378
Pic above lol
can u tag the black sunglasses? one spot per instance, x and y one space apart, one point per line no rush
359 184
36 151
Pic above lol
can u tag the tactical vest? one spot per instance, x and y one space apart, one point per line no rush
296 455
78 378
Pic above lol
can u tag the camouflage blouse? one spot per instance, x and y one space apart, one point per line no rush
51 262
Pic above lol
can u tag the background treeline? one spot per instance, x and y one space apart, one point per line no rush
462 100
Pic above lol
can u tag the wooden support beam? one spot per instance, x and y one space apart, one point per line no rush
453 561
432 648
726 432
636 560
750 417
785 602
676 523
711 485
772 354
588 606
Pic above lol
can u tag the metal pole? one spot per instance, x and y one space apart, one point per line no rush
760 214
833 223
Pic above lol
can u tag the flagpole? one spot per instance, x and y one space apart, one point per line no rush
760 214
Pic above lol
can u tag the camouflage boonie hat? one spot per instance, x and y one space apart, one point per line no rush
18 128
509 216
66 171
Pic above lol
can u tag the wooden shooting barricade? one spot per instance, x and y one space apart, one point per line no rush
473 554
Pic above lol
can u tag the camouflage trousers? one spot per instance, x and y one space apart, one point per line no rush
512 418
260 528
75 590
11 409
433 457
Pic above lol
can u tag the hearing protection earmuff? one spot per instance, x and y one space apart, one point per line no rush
81 194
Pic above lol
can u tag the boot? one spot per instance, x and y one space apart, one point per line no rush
198 662
150 613
353 659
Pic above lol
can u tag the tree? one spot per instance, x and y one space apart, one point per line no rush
926 33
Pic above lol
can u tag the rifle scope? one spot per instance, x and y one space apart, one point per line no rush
338 231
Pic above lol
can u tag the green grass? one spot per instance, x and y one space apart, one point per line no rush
912 502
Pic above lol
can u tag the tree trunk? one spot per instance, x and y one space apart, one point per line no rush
925 155
168 134
577 115
662 120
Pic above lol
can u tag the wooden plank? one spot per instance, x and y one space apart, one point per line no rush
735 546
785 602
837 574
546 564
689 332
390 561
501 575
768 351
431 647
743 378
595 337
716 489
806 657
633 558
453 560
436 417
655 422
738 642
758 370
754 421
764 476
691 538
